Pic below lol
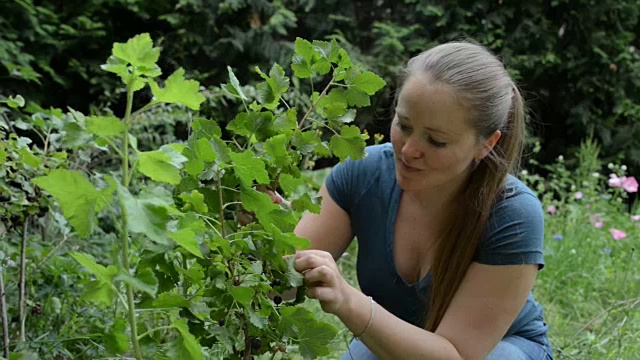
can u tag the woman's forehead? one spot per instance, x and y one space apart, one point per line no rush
431 104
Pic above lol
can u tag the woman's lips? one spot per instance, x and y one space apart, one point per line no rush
408 168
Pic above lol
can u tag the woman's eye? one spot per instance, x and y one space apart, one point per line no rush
404 128
437 144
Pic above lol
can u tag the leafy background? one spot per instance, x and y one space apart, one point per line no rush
576 60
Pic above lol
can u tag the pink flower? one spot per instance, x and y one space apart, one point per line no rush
615 181
629 184
635 217
596 221
579 195
617 234
551 209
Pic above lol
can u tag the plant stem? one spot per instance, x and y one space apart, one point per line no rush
23 275
124 233
313 107
154 330
221 207
247 341
3 313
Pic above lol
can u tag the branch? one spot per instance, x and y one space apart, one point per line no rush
313 107
23 278
3 313
247 341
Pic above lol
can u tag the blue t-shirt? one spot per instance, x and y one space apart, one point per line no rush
367 190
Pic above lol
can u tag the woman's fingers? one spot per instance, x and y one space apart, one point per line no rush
320 275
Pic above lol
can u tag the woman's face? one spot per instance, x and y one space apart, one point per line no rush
433 142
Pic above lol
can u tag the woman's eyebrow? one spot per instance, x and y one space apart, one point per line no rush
402 116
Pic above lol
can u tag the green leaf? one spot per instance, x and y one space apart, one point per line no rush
249 168
286 123
328 50
178 90
169 300
301 61
251 123
143 281
276 150
15 102
294 278
290 184
187 239
269 214
305 203
311 335
205 128
76 196
162 165
196 199
270 91
350 143
138 51
313 339
189 346
254 200
147 214
306 142
243 295
104 125
100 292
368 82
27 157
234 89
116 341
256 319
105 274
357 97
222 150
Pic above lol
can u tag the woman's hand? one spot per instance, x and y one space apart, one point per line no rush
326 284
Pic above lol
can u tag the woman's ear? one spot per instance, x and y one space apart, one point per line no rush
488 145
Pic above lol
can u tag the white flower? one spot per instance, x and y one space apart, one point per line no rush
623 167
524 173
610 166
596 174
561 158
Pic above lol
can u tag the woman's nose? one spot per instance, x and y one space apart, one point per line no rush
412 148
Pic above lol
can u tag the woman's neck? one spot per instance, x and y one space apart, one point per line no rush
437 200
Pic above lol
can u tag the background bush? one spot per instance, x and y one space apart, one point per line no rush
576 60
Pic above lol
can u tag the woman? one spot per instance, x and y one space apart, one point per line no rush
449 243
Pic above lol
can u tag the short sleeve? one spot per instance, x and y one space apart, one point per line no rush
514 234
339 184
349 180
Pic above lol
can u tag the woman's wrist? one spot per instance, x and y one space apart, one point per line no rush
356 312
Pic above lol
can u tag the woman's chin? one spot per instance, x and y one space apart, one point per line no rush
407 184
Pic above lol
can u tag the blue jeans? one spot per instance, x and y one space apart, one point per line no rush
509 348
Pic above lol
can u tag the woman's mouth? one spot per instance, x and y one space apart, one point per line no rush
408 168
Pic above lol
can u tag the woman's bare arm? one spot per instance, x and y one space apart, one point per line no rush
330 230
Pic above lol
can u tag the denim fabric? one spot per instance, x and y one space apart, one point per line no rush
509 348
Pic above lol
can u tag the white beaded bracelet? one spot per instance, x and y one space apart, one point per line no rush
370 319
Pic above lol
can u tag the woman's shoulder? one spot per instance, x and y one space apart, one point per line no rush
517 203
377 159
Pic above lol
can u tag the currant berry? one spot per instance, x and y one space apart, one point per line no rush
276 282
222 321
277 299
256 344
